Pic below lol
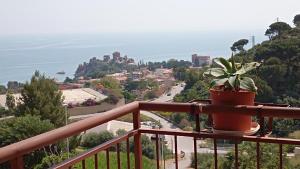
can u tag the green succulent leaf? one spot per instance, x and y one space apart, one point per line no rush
218 82
229 75
250 66
247 83
232 81
247 67
215 72
233 65
238 65
223 63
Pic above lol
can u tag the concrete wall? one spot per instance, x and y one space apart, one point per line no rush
94 109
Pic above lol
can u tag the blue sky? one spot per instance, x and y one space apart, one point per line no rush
94 16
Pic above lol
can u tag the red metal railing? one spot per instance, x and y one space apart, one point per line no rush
14 153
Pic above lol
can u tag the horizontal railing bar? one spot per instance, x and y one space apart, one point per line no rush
222 136
94 150
33 143
166 106
266 111
255 103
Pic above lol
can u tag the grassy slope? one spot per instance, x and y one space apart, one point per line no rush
147 163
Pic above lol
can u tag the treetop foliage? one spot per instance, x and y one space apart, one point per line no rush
239 45
41 97
296 20
19 128
277 28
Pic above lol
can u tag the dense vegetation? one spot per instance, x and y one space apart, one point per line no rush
91 140
41 97
247 158
48 161
38 110
147 163
97 68
172 63
277 79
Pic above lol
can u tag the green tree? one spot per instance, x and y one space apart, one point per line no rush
16 129
50 160
296 20
112 87
110 83
10 102
200 90
68 80
276 29
2 89
93 139
3 112
179 73
150 95
239 45
128 96
19 128
41 97
247 157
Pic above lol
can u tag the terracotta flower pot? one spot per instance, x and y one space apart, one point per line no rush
227 121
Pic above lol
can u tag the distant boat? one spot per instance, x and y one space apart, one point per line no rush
61 72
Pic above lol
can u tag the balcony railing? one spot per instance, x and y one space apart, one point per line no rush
264 113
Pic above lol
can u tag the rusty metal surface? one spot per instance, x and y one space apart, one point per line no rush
176 153
14 152
166 106
266 111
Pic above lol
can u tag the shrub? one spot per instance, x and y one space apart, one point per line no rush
93 139
20 128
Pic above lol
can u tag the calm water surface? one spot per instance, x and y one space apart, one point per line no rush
21 55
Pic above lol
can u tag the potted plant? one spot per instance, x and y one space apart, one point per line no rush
230 86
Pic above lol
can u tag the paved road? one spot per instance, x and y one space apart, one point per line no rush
185 144
174 90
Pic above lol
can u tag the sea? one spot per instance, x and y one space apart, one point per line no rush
22 55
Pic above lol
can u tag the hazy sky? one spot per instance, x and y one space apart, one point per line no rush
90 16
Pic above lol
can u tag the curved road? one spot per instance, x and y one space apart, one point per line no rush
184 144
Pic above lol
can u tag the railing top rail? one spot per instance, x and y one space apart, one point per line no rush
33 143
265 111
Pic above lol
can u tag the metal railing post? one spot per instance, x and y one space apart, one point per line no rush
137 140
17 163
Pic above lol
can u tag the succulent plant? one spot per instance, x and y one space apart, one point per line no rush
230 76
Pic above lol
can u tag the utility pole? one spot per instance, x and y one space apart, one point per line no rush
253 40
66 117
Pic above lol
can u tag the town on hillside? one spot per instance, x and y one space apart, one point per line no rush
103 84
108 82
